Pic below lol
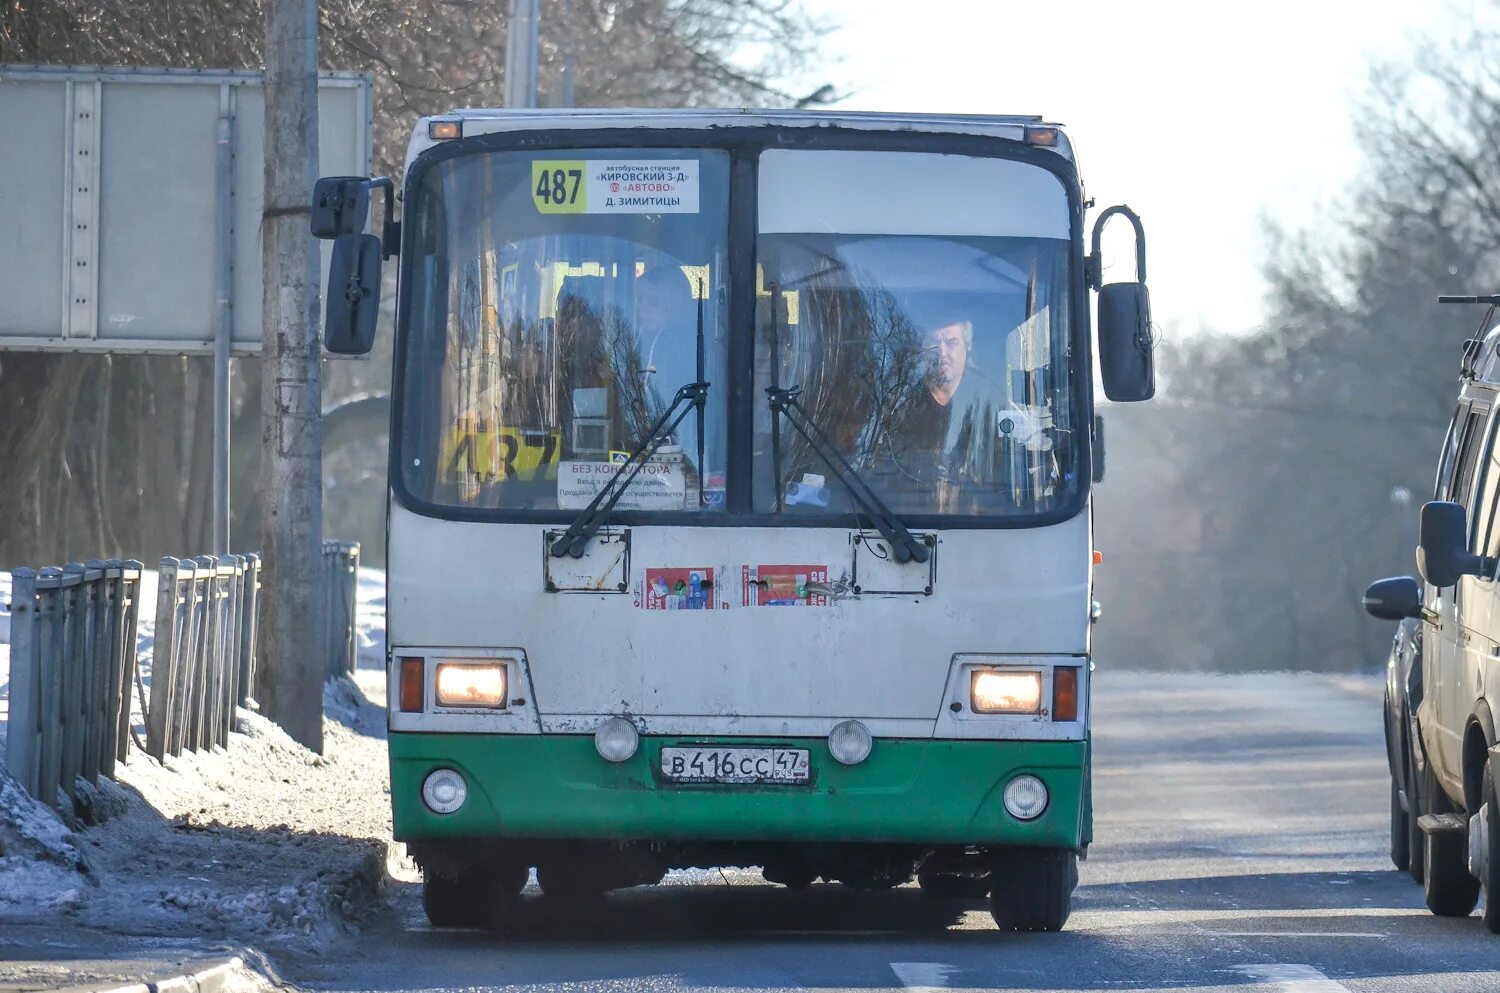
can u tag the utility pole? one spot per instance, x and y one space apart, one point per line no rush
291 660
520 54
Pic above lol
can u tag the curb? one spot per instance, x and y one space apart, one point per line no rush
211 977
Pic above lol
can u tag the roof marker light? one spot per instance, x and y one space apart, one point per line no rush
1042 137
445 130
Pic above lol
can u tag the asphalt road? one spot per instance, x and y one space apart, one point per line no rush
1240 845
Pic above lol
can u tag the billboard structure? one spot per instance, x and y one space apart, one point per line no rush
131 200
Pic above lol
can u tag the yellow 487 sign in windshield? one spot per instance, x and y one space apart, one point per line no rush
594 186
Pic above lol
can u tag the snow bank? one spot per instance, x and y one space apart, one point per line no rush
265 842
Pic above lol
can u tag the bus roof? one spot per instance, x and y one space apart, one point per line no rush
482 121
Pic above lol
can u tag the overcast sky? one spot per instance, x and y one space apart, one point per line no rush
1202 116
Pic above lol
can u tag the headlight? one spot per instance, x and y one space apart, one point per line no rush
616 739
999 691
466 684
850 742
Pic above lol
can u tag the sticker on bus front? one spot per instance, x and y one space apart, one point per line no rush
594 186
679 589
784 585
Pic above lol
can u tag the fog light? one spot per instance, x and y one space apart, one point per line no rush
444 791
850 742
1025 798
616 739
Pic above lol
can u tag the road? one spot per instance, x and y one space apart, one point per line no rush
1240 845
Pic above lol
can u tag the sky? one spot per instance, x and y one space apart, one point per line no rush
1205 117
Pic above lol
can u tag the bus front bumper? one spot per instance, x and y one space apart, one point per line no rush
912 791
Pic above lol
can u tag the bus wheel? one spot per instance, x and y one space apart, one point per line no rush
1491 812
1031 889
474 899
953 886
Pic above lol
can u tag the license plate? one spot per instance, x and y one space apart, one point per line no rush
735 765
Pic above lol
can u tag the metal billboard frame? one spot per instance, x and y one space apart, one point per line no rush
82 166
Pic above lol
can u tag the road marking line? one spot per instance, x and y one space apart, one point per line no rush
923 977
1290 978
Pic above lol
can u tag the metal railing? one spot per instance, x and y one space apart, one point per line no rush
72 659
340 600
203 662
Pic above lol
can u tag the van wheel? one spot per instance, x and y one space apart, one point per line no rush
1400 840
473 900
1031 889
1491 806
1416 841
1448 887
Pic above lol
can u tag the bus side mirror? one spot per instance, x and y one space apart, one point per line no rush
340 205
1126 363
353 295
1443 555
1393 599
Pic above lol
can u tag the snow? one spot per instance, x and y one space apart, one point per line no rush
264 842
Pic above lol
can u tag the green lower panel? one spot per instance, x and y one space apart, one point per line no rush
557 786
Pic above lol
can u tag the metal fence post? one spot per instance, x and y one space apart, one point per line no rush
93 670
50 677
250 614
23 737
73 696
130 612
165 660
186 594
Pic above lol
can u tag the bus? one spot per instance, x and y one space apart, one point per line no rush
739 505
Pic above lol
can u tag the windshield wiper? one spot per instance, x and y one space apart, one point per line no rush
575 539
905 546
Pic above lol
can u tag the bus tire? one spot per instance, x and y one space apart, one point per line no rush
1491 881
1031 889
1400 840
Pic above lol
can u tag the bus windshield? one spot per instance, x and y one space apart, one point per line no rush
555 309
928 332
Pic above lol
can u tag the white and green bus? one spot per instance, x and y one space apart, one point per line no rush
740 498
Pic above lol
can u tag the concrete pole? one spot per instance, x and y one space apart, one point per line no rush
291 663
520 54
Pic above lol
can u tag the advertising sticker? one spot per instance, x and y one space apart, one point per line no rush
784 585
679 589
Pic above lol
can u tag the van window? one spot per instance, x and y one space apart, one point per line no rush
1444 484
1468 457
1484 531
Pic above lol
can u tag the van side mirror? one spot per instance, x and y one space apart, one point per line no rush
1393 599
1443 555
353 295
1126 363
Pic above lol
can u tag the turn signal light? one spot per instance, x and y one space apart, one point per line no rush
1065 693
1043 137
411 686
